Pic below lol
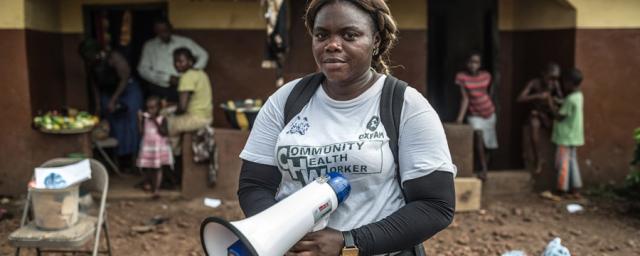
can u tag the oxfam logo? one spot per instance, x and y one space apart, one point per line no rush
372 125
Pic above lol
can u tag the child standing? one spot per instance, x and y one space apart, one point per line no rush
568 134
474 87
155 152
542 94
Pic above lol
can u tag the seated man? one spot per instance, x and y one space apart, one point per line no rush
156 62
195 105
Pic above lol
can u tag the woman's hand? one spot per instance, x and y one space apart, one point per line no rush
174 81
326 242
111 107
544 95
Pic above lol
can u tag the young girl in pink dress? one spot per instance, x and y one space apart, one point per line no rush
155 152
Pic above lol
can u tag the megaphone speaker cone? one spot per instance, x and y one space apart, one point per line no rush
215 232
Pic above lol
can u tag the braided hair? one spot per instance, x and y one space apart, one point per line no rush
383 23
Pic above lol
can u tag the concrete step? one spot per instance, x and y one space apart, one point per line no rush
508 182
123 188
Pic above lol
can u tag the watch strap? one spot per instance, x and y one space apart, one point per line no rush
349 242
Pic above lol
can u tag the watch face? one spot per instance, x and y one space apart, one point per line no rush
350 252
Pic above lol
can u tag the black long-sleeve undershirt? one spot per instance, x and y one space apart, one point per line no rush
430 208
257 187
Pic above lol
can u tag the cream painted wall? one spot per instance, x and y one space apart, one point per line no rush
534 15
608 13
71 11
559 14
505 15
225 14
11 14
42 15
409 14
66 15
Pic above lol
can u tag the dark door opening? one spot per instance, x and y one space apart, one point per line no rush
102 20
457 27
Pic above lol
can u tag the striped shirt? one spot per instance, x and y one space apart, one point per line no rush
477 88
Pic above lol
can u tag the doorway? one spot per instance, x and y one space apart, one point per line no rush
455 29
126 28
105 24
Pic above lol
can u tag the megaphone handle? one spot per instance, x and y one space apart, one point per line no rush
321 224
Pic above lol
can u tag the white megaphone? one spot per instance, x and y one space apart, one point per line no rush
275 230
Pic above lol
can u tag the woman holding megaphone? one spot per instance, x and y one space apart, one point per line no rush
354 118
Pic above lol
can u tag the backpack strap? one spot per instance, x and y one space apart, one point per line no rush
391 102
301 94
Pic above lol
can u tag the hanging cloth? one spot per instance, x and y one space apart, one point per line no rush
277 36
125 29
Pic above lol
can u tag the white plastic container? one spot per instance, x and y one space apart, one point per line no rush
55 209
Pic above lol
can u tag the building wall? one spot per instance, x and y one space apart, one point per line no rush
532 33
43 36
598 37
607 53
235 37
30 77
609 60
14 82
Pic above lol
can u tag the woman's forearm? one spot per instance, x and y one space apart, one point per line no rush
257 187
183 102
121 86
430 209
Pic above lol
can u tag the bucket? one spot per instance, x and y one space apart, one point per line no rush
242 113
55 209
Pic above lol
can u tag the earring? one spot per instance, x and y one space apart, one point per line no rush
375 51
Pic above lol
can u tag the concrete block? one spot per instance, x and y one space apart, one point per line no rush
515 182
468 194
460 139
194 176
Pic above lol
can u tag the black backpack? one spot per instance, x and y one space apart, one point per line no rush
391 102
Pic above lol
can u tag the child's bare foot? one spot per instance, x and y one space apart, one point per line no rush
538 169
575 194
550 196
482 176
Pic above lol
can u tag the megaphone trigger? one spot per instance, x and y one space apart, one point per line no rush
320 225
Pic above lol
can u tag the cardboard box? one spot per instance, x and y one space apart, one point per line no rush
468 194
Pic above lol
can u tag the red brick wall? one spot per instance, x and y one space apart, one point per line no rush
15 111
30 77
610 61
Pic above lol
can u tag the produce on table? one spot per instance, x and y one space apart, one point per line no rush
74 120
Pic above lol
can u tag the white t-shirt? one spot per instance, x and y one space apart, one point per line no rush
348 137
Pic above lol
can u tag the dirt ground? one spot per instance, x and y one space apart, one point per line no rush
524 223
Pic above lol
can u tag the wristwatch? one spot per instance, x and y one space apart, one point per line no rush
349 248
